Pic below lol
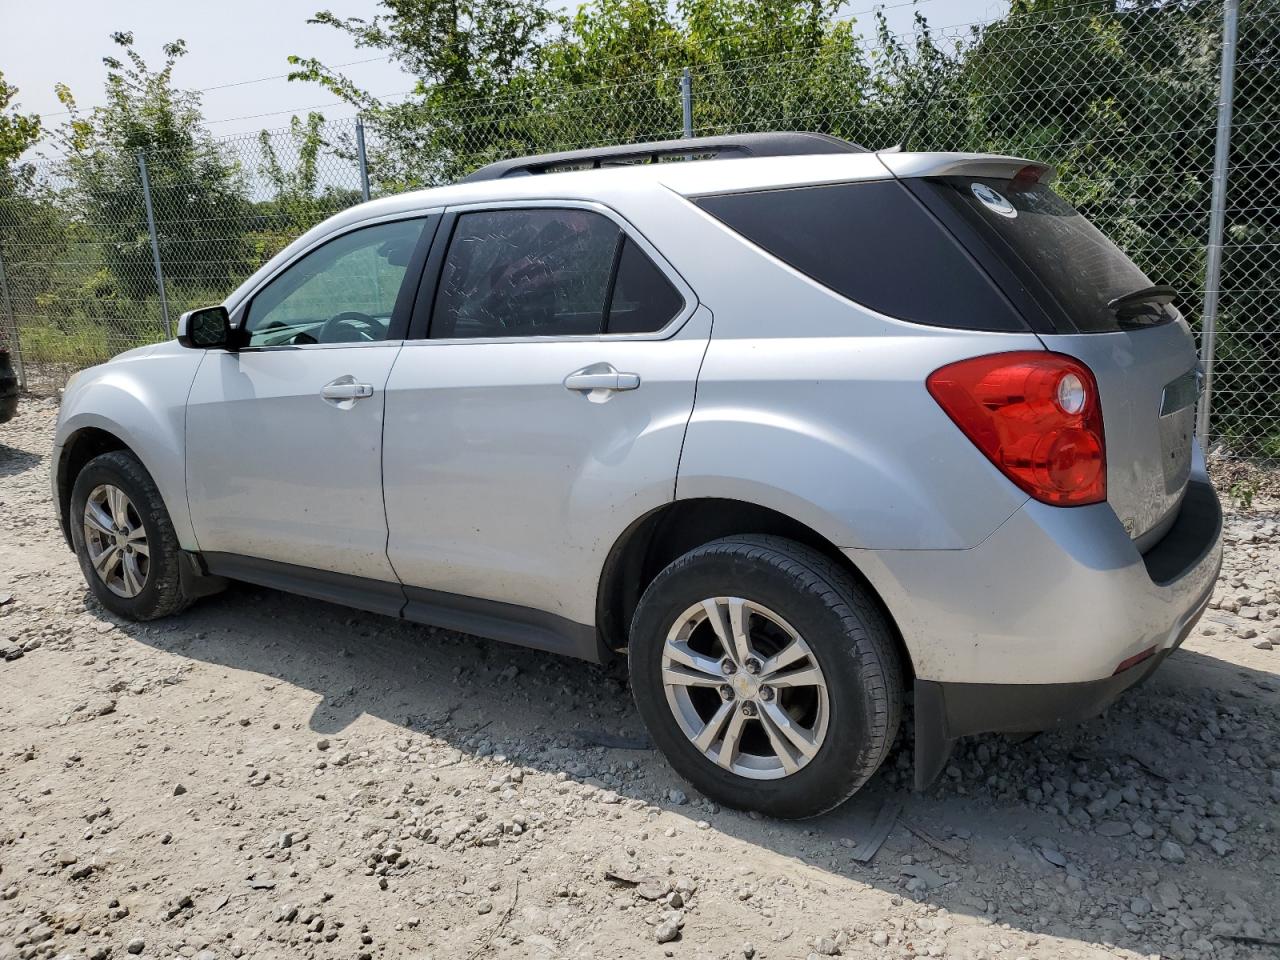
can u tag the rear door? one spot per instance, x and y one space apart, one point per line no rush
1096 305
542 411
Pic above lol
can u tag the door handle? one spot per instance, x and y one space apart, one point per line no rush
345 388
601 377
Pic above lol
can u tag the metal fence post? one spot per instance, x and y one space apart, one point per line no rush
363 157
1217 211
686 101
155 241
6 314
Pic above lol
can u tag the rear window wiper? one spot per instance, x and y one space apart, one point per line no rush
1143 307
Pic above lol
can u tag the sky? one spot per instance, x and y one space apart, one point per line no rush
232 44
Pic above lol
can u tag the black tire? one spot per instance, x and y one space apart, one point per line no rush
162 592
844 628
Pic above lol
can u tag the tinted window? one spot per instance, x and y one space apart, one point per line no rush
342 292
526 273
1080 268
643 298
875 244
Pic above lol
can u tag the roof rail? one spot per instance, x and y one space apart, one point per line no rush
733 145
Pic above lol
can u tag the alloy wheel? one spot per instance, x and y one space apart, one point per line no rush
745 688
116 541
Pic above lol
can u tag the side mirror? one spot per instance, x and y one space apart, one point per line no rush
205 329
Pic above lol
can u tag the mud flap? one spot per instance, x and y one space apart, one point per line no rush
945 712
195 581
933 744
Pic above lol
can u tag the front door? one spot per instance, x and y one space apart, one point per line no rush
543 412
284 436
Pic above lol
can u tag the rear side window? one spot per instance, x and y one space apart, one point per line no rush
875 244
541 272
1081 270
644 300
526 273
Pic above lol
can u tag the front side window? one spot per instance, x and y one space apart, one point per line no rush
342 292
526 273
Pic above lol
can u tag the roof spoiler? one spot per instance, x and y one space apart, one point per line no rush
904 165
694 148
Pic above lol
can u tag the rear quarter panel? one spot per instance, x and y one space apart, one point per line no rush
815 406
841 434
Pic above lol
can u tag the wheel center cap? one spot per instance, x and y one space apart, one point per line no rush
745 685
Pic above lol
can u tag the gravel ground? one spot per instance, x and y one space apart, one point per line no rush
268 776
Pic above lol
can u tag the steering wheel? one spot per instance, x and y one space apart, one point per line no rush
345 328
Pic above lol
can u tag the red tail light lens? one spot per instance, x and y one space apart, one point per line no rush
1036 416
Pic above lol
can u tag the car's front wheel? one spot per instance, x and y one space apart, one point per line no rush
766 674
125 540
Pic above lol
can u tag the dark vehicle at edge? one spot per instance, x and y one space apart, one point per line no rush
8 387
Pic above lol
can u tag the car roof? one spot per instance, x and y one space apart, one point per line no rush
771 144
694 178
625 184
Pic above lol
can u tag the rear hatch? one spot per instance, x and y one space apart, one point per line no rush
1086 299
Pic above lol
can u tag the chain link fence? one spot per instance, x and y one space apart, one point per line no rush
1126 105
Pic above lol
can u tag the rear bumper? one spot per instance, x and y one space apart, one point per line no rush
1030 630
963 709
945 712
1055 596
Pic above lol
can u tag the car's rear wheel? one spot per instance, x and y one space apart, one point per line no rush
766 674
124 538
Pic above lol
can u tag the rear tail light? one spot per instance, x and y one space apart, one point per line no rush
1036 416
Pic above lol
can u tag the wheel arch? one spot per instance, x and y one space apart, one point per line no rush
667 532
155 443
80 447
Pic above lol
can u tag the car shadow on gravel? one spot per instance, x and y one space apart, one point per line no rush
14 461
1065 834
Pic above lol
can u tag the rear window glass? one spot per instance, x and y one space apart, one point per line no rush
643 299
1079 267
875 244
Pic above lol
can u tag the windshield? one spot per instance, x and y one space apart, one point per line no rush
1080 268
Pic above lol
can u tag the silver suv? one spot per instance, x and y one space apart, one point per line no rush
796 426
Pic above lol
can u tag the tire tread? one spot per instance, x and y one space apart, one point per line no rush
168 597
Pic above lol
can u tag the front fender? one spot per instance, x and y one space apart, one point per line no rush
141 400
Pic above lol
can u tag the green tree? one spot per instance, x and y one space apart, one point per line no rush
31 228
462 54
499 78
198 195
756 64
1246 401
18 131
299 199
